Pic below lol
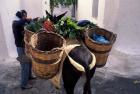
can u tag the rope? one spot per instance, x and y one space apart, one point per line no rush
74 63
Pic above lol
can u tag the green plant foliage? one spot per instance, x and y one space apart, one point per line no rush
56 3
67 27
35 26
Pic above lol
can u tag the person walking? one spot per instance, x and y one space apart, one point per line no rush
25 62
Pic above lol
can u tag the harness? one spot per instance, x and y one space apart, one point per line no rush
56 80
74 63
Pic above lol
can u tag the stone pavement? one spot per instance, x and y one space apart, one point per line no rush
108 80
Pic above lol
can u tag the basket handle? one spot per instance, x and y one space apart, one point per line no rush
44 61
85 34
41 30
114 39
61 56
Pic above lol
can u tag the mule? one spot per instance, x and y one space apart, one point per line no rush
71 74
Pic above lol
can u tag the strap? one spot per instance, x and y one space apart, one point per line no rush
48 61
74 63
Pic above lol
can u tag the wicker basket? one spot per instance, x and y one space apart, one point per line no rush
27 36
46 52
100 50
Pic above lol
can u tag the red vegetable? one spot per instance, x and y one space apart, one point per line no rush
48 25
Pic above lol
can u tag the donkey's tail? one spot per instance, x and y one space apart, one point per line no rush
87 88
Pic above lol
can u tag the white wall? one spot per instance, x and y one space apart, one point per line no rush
33 7
8 10
119 16
122 17
128 23
45 6
101 14
3 46
61 9
84 10
110 12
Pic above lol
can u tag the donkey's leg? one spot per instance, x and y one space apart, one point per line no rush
70 77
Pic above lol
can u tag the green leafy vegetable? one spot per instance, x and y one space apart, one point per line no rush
35 26
67 27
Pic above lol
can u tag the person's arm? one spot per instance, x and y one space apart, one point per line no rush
21 22
35 19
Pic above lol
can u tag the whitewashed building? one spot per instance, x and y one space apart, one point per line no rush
123 18
8 8
119 16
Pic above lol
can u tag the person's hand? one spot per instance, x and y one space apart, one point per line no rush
28 18
36 19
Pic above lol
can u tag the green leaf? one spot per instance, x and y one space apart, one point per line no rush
72 35
34 26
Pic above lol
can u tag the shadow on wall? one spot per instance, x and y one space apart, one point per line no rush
3 47
62 9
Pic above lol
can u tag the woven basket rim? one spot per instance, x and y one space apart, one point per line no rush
54 49
26 41
25 29
111 42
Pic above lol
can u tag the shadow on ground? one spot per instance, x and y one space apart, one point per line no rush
102 83
117 85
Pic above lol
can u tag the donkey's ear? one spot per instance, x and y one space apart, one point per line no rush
61 15
50 16
47 13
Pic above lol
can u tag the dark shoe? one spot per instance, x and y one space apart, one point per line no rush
32 78
27 87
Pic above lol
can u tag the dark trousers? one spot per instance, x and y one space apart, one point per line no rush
26 71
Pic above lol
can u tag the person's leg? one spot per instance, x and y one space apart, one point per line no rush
20 51
30 70
70 76
31 77
25 69
25 75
